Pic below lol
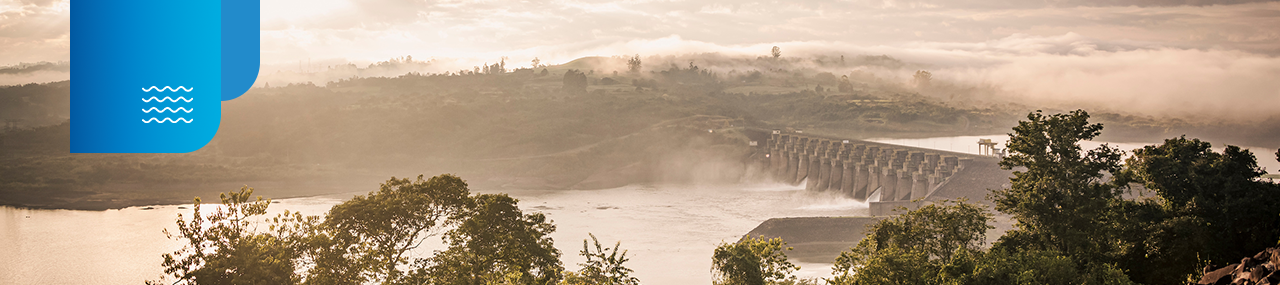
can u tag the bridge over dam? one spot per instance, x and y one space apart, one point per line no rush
887 176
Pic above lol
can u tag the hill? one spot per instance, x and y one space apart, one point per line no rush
503 129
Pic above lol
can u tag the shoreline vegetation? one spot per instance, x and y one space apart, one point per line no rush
592 123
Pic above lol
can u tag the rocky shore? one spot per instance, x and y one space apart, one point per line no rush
1260 269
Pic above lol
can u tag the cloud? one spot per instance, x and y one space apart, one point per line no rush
32 31
1169 56
377 30
1219 84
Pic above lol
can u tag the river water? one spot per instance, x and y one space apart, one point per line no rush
669 231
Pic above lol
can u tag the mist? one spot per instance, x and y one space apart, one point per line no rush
40 72
1064 71
1172 58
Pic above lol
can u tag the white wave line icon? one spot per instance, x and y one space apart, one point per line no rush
167 109
153 98
170 89
170 120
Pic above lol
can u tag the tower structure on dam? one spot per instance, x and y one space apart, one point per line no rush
887 175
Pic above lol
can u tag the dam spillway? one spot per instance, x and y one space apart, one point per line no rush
887 176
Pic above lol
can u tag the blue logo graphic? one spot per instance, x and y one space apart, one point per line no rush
150 76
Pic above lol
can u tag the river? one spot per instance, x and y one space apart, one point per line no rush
669 231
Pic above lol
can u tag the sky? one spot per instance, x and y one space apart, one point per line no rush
1178 56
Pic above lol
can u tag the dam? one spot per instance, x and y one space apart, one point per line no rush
886 176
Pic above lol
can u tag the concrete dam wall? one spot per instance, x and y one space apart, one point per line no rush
888 176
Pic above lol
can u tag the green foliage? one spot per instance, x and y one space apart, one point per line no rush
1211 208
752 261
798 281
367 240
890 265
495 244
938 230
603 266
1182 170
385 225
940 244
915 247
1058 196
1001 266
222 248
324 258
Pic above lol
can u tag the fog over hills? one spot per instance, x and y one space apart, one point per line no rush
675 119
370 88
1176 58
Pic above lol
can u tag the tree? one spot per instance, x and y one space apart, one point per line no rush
575 81
495 244
222 248
845 85
536 61
633 64
752 261
914 247
922 78
1007 266
1211 209
379 229
941 244
367 240
324 258
603 266
776 52
1057 195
